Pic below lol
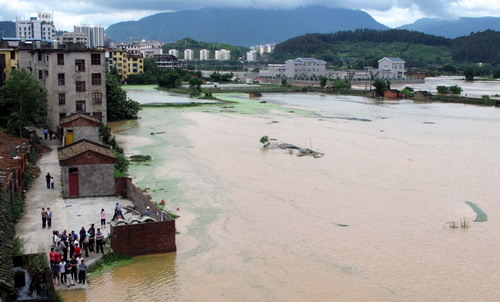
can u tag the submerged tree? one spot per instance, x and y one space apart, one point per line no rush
23 102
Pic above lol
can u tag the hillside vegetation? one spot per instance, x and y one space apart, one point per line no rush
367 46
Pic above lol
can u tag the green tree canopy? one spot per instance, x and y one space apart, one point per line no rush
119 107
23 102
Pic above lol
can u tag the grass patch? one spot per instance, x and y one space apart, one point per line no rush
108 261
174 216
140 158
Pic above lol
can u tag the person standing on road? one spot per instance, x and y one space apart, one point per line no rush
82 272
103 218
74 263
45 133
47 179
44 218
49 217
83 235
91 235
99 238
62 269
52 182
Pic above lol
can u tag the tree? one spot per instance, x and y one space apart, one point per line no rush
195 84
170 79
22 102
469 73
322 81
284 82
119 107
114 72
215 77
381 86
443 89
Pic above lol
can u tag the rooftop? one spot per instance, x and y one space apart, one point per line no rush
76 116
82 146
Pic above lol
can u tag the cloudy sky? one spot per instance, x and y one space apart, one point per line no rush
392 13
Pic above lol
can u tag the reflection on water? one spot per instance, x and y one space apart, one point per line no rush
150 278
366 222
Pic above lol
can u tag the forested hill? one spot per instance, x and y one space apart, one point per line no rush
367 46
7 29
242 26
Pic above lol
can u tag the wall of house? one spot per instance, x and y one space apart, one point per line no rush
88 133
93 180
144 238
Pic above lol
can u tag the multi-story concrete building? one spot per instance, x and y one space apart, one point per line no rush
9 60
391 68
73 76
165 61
145 48
39 27
273 71
125 63
73 37
305 69
188 55
95 34
252 55
204 55
174 52
222 55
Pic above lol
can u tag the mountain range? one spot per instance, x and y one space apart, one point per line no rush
454 28
240 26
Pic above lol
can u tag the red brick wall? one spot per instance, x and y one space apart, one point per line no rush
121 185
144 238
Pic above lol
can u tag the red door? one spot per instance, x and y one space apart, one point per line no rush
73 183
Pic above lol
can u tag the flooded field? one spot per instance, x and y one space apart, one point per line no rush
369 221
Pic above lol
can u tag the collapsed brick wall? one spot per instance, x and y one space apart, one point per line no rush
144 238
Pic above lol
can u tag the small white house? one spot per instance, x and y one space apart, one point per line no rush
391 68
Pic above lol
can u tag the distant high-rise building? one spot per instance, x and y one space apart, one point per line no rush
204 55
95 34
252 55
188 55
222 55
40 27
174 52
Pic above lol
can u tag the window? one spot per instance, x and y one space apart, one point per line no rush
39 56
80 106
12 55
95 59
96 79
60 79
80 86
60 59
61 116
96 98
40 74
62 99
79 65
97 115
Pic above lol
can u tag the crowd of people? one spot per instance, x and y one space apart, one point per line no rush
67 252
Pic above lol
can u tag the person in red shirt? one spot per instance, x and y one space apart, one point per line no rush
52 256
78 250
57 258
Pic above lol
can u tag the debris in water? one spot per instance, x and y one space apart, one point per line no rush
480 215
291 148
341 225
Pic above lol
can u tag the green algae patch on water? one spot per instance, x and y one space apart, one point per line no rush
140 87
480 215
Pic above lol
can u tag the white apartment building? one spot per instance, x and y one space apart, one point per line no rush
174 52
72 37
252 55
222 55
391 68
273 71
95 34
305 69
39 27
204 55
147 49
73 76
188 55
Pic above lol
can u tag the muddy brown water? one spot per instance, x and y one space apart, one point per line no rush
366 222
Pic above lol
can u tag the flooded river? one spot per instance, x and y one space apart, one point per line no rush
369 221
